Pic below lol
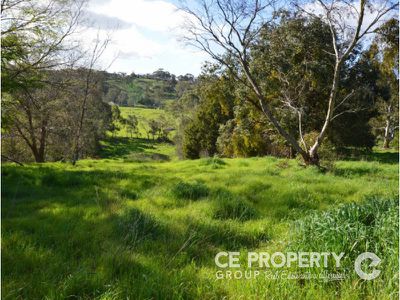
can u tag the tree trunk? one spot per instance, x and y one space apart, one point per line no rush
39 157
386 143
42 142
268 113
388 136
388 133
313 152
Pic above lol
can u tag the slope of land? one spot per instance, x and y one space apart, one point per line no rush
117 229
141 147
134 91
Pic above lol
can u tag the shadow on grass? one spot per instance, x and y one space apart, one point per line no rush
84 258
41 185
385 157
382 156
121 146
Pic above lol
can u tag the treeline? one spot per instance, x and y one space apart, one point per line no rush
290 60
260 46
52 104
149 90
62 118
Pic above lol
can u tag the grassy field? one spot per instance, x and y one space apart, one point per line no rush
120 228
138 149
144 115
137 223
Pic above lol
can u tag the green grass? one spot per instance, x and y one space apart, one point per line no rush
146 113
138 148
119 229
143 115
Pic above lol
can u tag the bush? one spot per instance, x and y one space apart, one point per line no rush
192 191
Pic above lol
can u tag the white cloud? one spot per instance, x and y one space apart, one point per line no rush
146 41
153 15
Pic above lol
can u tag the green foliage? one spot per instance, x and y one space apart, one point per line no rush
244 135
383 56
214 109
33 39
290 57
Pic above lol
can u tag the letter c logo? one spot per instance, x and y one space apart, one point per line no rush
375 261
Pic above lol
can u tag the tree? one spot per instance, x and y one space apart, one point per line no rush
387 43
132 123
44 119
90 81
216 101
154 128
32 114
226 29
36 35
37 43
116 119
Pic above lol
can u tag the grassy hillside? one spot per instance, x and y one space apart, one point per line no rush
115 229
139 91
144 115
139 148
138 223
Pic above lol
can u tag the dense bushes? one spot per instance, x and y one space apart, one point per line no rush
214 109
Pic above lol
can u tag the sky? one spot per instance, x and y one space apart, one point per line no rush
144 36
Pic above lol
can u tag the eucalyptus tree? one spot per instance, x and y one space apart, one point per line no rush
387 45
227 29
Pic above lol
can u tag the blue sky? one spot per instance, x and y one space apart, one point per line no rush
144 36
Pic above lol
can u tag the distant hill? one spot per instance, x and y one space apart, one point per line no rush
149 90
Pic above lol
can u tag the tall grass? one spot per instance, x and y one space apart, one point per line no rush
355 228
109 229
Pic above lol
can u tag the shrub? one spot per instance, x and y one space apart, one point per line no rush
192 191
